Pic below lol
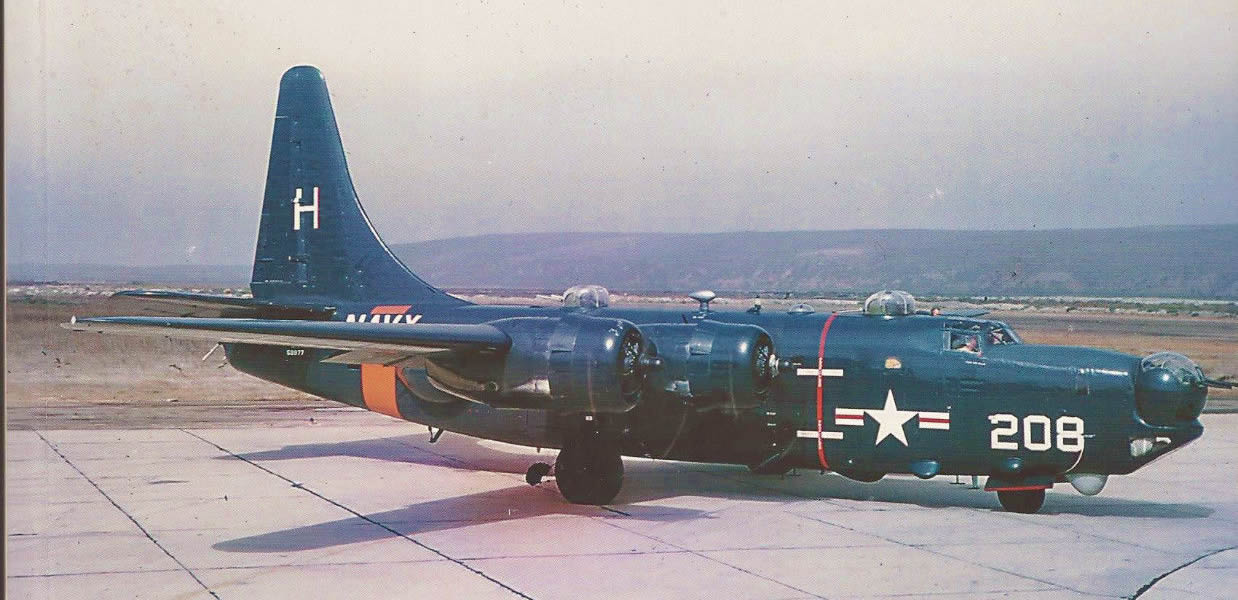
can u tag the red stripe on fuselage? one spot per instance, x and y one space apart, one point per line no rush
825 330
391 310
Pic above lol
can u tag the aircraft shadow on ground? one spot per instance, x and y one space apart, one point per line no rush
517 502
645 482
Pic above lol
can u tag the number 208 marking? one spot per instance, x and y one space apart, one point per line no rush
1067 433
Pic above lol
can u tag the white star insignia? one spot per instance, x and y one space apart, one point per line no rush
890 420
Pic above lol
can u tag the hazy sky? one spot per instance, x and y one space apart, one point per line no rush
138 132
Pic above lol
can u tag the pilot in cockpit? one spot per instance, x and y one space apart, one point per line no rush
966 343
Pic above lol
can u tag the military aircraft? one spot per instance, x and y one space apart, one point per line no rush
887 389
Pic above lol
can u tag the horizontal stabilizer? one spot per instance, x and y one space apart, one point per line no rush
188 304
389 341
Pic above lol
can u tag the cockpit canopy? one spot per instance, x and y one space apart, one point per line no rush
893 303
973 336
586 296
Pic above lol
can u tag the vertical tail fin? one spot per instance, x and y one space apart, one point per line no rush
315 243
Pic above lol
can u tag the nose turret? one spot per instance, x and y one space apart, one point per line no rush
1169 389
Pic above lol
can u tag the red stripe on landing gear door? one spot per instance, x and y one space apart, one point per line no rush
378 389
820 391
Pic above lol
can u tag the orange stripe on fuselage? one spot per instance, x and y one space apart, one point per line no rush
391 310
378 389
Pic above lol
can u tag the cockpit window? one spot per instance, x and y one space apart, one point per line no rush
999 334
973 336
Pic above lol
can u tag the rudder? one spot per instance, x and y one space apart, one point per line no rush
315 242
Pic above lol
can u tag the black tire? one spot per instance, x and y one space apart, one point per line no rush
1022 501
589 473
536 473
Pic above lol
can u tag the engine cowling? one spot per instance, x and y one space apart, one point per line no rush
712 365
570 364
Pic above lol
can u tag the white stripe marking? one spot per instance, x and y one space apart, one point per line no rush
824 372
825 435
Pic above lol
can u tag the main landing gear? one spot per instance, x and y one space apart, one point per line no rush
589 469
1021 501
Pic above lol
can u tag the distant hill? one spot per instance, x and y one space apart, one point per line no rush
1187 261
224 275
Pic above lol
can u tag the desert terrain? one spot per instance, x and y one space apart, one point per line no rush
56 379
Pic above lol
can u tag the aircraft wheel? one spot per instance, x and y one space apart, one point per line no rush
1021 501
589 473
536 472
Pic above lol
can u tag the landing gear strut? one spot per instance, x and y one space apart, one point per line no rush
589 469
1021 501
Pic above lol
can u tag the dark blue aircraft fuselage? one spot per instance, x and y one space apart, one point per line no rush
1047 409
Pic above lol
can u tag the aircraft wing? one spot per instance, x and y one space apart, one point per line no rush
386 343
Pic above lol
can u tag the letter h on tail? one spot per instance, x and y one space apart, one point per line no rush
298 208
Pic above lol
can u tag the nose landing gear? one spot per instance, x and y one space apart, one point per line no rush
1021 501
537 472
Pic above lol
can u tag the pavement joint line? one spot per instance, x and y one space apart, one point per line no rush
363 517
577 555
701 554
760 486
342 563
127 515
757 485
944 555
609 521
999 514
674 551
120 572
1158 578
1030 520
980 593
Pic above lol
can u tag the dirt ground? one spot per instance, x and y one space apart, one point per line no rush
62 380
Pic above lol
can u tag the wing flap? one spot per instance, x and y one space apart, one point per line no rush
387 358
386 342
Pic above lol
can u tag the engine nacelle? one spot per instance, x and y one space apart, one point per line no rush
712 365
571 364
